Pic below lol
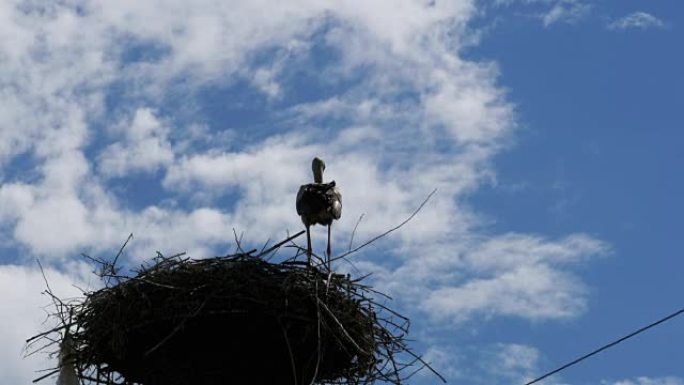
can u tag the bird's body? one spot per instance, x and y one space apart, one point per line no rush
319 203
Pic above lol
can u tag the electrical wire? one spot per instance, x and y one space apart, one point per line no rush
607 346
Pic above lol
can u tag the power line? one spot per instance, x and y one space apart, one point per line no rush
604 347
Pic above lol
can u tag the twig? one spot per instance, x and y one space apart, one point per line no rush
238 247
108 269
388 231
344 331
116 258
58 328
289 351
47 375
42 272
177 328
277 245
318 334
419 358
351 239
264 246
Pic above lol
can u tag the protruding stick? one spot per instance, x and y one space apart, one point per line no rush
308 245
329 251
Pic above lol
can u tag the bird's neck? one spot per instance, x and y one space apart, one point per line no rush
318 176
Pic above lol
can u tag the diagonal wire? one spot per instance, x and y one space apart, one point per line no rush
607 346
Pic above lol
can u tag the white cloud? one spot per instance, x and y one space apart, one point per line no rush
144 147
57 232
264 79
512 275
443 359
17 198
535 292
514 250
516 357
636 20
500 363
648 381
473 103
552 11
567 11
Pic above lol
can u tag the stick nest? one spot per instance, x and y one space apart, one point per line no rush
237 319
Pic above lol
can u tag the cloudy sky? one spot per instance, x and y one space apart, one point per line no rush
552 130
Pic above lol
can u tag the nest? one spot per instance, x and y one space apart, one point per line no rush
236 319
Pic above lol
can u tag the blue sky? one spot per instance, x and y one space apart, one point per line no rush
598 152
551 129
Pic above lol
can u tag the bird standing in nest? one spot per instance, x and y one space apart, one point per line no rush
318 203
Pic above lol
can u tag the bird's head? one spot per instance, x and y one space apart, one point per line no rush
318 166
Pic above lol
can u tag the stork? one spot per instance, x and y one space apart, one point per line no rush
318 203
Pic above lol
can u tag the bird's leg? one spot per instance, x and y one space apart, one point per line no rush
328 251
308 246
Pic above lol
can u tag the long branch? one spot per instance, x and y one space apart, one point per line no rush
388 231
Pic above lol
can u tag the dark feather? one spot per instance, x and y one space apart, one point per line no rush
319 203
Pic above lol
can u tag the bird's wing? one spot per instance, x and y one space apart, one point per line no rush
336 207
300 202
